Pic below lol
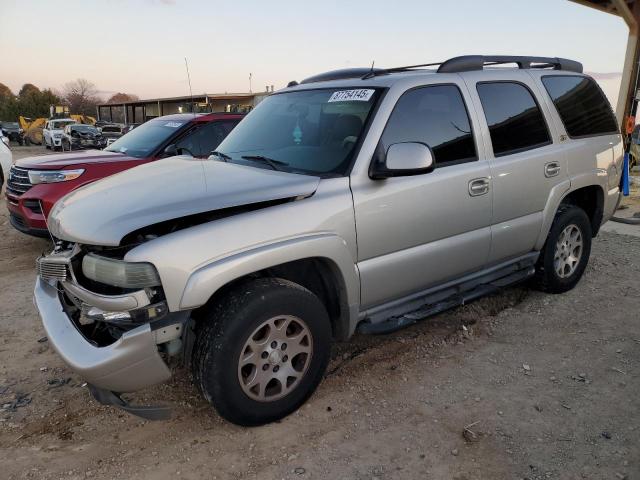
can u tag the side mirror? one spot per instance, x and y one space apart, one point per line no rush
404 159
171 150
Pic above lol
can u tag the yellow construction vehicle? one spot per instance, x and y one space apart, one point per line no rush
86 119
32 128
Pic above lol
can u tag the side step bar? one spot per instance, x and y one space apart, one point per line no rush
148 412
439 305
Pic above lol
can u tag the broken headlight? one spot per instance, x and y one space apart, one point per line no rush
119 273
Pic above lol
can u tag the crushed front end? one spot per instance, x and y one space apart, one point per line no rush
108 319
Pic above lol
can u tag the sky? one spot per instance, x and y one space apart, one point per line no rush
139 46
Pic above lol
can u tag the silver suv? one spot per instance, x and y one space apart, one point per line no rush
359 199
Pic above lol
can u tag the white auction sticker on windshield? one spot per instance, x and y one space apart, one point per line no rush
360 95
173 124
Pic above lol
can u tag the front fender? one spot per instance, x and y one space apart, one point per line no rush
208 279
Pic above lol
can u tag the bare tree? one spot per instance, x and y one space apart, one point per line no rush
82 96
123 98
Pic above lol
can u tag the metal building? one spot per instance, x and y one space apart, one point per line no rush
140 111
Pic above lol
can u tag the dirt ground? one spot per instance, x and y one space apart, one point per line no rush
520 385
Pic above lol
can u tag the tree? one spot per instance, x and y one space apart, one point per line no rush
5 92
30 102
123 98
34 103
82 96
8 104
28 89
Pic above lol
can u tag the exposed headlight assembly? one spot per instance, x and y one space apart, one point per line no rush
119 273
53 176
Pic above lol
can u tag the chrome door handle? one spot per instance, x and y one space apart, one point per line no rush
551 169
478 186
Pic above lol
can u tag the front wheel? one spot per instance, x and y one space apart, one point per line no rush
565 254
262 351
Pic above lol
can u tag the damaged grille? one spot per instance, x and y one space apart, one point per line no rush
18 181
51 270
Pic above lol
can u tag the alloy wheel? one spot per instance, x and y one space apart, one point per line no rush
275 358
568 251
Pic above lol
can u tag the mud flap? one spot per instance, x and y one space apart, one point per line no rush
148 412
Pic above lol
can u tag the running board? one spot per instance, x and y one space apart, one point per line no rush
148 412
456 299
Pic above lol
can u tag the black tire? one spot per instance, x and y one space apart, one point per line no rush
227 327
546 277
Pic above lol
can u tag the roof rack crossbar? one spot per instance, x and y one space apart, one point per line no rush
468 63
385 71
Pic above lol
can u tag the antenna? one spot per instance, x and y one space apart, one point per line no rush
250 75
186 64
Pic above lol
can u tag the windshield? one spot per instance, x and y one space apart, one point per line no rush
10 125
311 131
84 129
144 140
61 125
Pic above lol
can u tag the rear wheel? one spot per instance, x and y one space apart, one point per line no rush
263 351
565 254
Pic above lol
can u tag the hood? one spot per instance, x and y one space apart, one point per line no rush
70 159
102 213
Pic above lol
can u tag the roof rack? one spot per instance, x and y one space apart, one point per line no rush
469 63
465 63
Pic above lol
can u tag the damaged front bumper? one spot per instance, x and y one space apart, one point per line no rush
131 363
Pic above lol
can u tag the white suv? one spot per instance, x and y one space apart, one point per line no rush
6 159
53 130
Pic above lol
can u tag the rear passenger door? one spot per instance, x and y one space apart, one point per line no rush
524 155
415 232
588 121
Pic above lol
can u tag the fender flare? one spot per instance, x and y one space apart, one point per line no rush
560 192
208 279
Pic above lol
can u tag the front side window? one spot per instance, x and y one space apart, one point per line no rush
310 131
513 116
436 116
582 106
205 138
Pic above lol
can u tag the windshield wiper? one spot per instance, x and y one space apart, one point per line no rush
274 164
221 155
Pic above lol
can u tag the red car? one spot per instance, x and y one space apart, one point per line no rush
36 183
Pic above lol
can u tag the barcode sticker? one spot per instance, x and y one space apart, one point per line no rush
360 95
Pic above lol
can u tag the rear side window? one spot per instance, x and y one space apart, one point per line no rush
582 106
515 121
436 116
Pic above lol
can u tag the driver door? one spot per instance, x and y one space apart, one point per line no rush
416 232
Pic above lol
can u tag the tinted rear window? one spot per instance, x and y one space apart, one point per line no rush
513 116
582 106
